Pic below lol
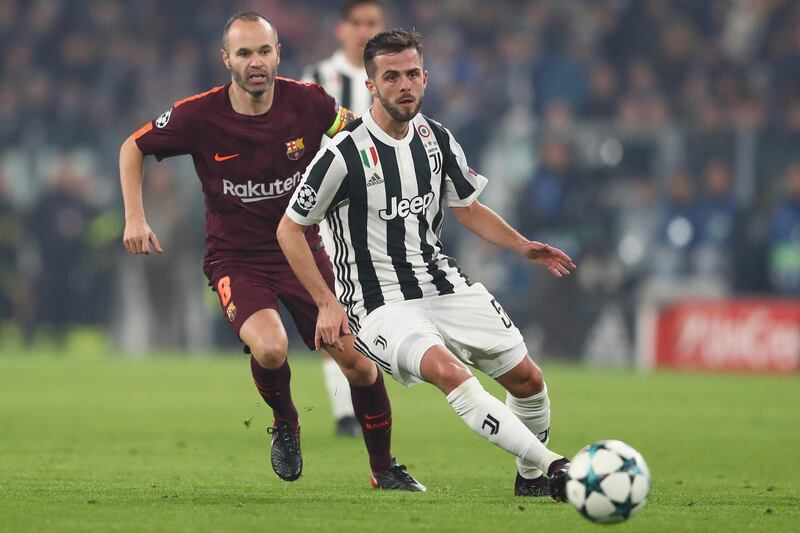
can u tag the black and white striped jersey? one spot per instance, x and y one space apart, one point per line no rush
342 80
383 200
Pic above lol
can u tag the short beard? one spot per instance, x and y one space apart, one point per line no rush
257 93
396 113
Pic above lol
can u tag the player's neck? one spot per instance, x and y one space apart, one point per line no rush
355 58
246 104
395 130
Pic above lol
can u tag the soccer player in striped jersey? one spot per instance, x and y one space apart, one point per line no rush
383 185
250 141
343 76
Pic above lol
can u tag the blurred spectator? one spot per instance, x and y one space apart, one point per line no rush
542 203
560 75
638 224
601 100
11 232
784 253
62 218
678 232
643 105
162 297
716 218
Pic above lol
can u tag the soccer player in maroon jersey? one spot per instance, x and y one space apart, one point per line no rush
250 141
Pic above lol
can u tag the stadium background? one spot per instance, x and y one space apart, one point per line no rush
656 142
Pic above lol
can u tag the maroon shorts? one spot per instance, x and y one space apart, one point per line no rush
245 287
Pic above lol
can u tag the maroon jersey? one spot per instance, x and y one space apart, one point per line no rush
248 165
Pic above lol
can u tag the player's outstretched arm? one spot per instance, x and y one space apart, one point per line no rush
138 236
491 227
331 319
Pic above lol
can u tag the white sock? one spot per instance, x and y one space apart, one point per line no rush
534 412
491 419
338 389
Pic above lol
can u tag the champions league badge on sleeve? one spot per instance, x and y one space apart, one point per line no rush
306 197
163 119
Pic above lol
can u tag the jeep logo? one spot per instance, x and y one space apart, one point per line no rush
405 207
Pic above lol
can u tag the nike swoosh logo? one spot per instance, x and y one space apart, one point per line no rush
367 417
218 157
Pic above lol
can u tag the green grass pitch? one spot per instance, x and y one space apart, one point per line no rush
161 444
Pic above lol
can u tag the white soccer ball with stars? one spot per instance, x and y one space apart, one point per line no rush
608 482
306 197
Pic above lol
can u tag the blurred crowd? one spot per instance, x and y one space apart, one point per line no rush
653 140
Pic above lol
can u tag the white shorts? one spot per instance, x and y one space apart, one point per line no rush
469 323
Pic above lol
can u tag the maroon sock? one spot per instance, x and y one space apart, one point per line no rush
374 412
273 384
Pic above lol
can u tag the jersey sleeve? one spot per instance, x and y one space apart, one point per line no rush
167 135
329 116
463 184
322 188
322 107
343 117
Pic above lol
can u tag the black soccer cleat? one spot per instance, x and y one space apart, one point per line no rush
396 477
287 461
539 486
348 426
557 472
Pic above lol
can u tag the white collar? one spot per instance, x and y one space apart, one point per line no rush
384 137
341 63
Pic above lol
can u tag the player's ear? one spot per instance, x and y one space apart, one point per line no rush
424 78
224 55
278 53
370 87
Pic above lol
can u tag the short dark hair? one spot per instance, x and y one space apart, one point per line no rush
247 16
390 42
349 5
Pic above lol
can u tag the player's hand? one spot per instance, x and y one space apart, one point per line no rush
557 262
139 238
331 324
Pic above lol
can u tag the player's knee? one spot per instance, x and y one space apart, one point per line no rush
269 354
447 375
528 383
359 370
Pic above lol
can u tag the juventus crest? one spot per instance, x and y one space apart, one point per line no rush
431 147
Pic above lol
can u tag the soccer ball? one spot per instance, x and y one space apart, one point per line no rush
608 482
306 197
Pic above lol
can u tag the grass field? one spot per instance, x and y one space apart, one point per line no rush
161 445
